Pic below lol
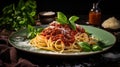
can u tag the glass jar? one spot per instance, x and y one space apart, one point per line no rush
95 15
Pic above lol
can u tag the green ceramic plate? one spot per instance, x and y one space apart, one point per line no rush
18 41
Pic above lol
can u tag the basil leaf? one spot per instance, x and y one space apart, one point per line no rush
31 35
30 28
72 25
96 47
72 19
85 46
61 18
33 31
61 21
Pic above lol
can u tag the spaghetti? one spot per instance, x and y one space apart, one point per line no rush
61 38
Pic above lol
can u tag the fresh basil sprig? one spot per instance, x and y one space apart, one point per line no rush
62 19
33 31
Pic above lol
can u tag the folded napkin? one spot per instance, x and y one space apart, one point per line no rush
9 58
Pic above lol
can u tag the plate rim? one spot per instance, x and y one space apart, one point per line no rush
67 54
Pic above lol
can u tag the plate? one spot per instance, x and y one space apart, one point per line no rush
19 41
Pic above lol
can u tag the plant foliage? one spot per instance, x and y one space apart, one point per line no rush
18 16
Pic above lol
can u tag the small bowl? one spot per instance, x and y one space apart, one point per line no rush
47 17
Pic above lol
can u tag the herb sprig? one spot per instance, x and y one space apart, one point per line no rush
16 17
33 31
62 19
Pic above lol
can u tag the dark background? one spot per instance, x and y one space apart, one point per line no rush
78 7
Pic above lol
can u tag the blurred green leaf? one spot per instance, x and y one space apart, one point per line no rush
8 9
20 15
20 4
